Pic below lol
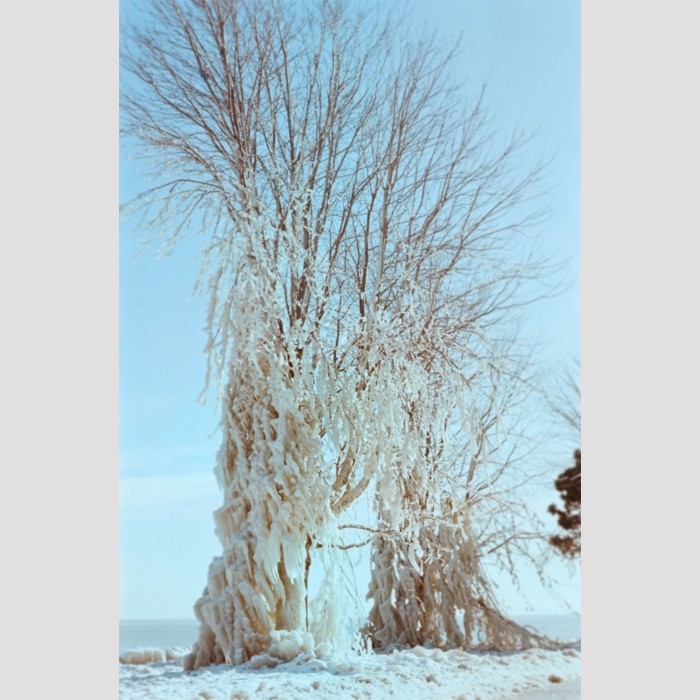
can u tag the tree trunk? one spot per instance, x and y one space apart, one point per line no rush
272 505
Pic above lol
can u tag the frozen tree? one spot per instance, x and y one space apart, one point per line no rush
359 225
447 515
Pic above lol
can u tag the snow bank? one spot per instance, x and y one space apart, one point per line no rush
143 656
153 656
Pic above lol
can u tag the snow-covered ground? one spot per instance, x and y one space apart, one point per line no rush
403 675
416 673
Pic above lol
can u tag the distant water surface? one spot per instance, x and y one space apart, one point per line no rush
565 628
163 634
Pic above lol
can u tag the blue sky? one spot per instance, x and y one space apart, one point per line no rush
527 52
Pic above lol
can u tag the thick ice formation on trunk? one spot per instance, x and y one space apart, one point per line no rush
275 507
303 439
